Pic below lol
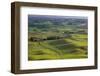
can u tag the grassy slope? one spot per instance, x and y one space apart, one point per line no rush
58 49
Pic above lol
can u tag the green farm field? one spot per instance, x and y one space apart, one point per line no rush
50 40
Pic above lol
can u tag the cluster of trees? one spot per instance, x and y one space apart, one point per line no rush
47 38
78 32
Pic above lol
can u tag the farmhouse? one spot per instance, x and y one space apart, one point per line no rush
34 39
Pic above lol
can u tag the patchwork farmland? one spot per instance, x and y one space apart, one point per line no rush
52 37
